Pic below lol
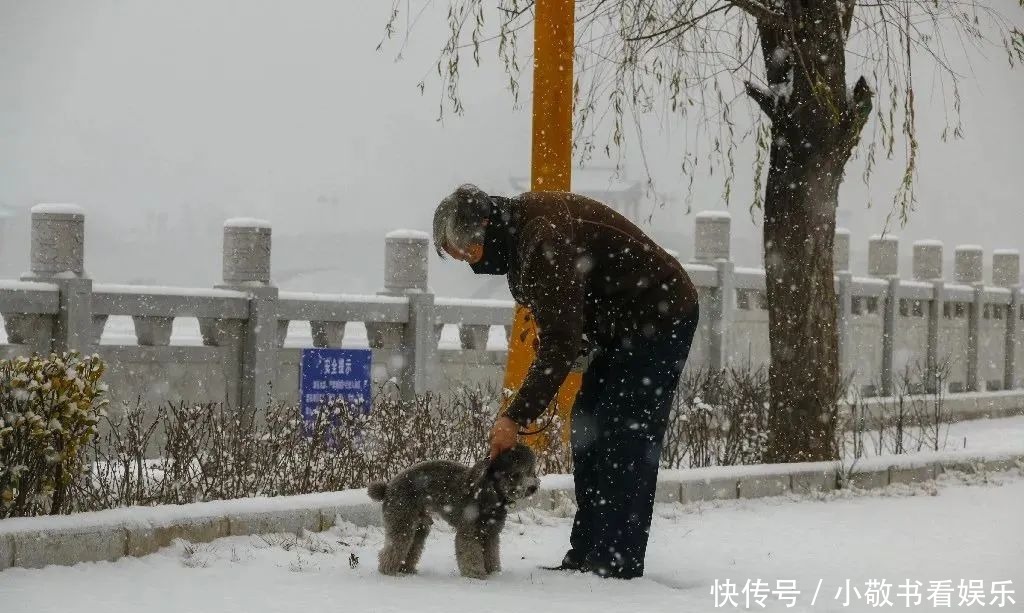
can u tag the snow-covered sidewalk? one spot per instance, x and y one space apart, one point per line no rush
965 529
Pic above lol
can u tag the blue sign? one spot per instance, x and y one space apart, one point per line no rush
329 375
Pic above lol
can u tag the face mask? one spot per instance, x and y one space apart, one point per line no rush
488 267
496 247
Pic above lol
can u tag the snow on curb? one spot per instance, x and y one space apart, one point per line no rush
35 542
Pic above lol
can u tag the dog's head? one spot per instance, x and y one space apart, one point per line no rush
513 474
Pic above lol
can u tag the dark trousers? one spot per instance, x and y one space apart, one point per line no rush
618 425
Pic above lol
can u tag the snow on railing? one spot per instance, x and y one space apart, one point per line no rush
306 306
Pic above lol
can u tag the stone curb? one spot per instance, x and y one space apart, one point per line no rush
65 546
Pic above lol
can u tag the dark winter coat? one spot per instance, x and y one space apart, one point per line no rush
589 276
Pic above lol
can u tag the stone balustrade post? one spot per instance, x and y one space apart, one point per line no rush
1011 378
384 335
153 331
32 329
723 314
968 266
712 245
1006 268
712 238
883 256
844 303
927 260
474 337
1006 273
883 262
58 257
405 261
928 267
245 263
406 274
844 309
328 334
841 250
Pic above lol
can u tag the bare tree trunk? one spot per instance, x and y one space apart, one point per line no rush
799 227
815 124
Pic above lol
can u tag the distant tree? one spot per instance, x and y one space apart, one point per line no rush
689 57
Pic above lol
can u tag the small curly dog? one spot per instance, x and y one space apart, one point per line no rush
473 500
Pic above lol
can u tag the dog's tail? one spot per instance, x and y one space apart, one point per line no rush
377 490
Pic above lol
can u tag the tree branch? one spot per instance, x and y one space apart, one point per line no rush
848 7
512 15
862 95
762 97
678 25
759 11
859 111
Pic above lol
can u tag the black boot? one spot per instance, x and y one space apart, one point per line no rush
573 560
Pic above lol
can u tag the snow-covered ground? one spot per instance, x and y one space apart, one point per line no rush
965 529
975 435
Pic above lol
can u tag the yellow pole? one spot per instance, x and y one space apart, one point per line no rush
552 96
551 170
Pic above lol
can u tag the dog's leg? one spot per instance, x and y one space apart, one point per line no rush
491 535
469 552
492 554
419 539
398 543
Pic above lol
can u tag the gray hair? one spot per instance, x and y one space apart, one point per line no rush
460 219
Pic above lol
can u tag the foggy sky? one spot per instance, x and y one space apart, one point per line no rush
177 115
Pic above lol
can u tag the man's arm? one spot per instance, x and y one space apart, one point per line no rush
555 289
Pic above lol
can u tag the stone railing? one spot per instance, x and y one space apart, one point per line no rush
244 350
964 334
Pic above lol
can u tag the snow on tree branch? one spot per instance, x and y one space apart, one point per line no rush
761 12
764 98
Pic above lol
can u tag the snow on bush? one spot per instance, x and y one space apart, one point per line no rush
56 458
720 418
49 408
177 454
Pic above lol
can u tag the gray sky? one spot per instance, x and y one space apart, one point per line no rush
179 114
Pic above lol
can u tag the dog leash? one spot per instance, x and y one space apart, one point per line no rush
581 363
520 432
542 428
550 421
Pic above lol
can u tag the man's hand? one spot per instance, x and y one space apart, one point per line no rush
503 435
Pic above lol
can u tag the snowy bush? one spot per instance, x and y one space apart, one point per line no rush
913 418
49 408
214 451
720 418
211 452
61 452
177 454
